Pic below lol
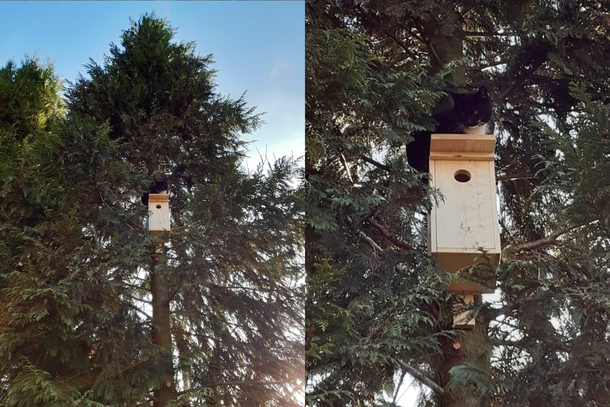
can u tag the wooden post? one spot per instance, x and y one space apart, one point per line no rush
462 318
158 223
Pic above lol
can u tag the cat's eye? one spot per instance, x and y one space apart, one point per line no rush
476 112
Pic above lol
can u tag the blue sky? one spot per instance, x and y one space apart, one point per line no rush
258 47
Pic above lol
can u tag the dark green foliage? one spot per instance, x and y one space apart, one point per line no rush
373 293
375 70
29 100
31 107
158 98
77 289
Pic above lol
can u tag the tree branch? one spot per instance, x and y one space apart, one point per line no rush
371 242
171 296
375 163
395 241
514 177
97 244
137 287
400 43
520 80
422 377
419 35
139 310
233 383
485 34
402 376
548 240
137 299
347 171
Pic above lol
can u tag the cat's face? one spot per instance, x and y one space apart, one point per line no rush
473 111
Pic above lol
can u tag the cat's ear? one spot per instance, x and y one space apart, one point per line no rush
482 93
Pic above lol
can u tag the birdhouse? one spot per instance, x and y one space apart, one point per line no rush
158 208
466 221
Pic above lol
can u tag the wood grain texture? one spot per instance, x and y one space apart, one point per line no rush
158 219
466 222
478 143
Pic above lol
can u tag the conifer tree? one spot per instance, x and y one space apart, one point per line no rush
89 316
375 70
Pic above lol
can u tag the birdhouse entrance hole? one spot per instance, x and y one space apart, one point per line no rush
462 176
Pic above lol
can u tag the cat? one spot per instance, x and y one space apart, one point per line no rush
470 114
156 187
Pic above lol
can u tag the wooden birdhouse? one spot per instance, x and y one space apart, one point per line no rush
462 168
158 219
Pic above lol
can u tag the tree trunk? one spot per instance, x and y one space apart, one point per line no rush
161 330
444 49
467 345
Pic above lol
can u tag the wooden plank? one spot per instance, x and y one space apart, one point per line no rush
459 156
482 143
465 219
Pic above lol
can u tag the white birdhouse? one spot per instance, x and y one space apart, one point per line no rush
462 168
158 208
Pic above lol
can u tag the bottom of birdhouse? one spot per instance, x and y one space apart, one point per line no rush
453 261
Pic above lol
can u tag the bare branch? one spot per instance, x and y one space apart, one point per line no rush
136 298
174 230
494 313
514 177
137 287
234 383
402 376
139 310
97 244
419 35
197 335
486 34
371 242
375 163
422 377
548 240
170 297
344 162
400 44
395 241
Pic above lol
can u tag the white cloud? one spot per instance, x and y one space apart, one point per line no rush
277 69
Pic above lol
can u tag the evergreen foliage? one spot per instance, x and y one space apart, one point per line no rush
89 315
375 71
373 293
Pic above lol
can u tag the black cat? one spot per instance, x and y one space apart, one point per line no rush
156 187
471 114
